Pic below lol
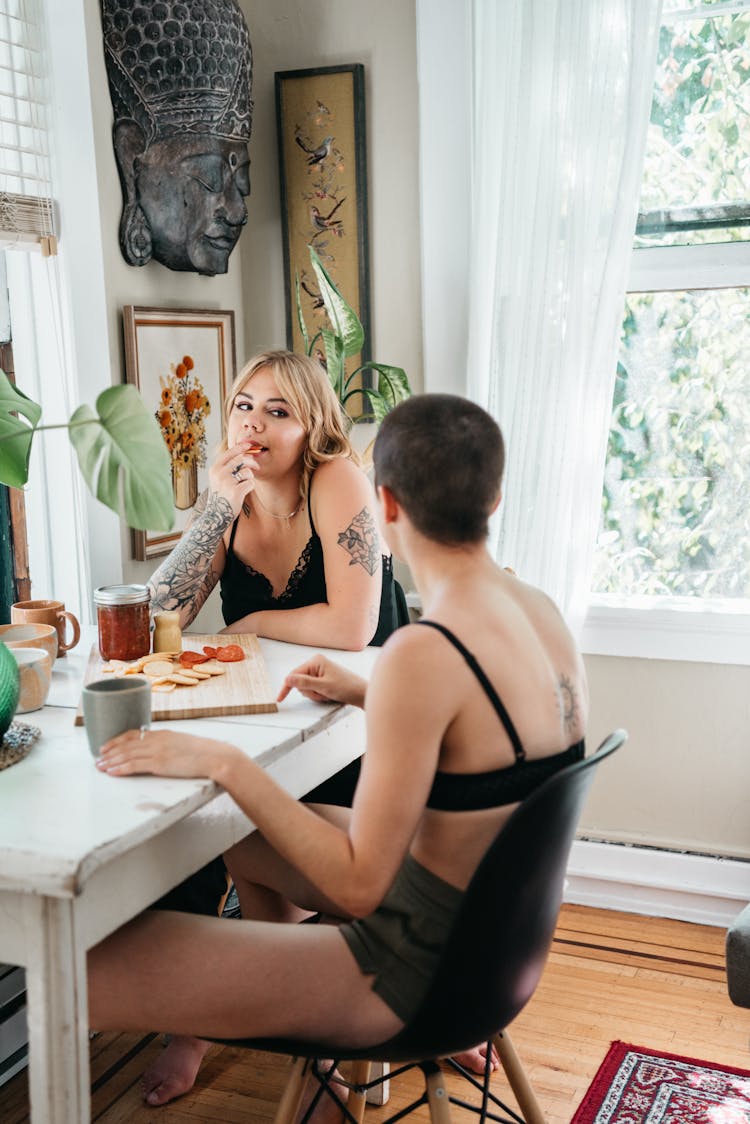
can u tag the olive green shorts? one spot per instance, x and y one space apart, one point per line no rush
401 942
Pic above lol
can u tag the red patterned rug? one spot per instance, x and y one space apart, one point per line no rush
639 1086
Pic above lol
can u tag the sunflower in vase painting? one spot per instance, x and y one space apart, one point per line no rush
182 414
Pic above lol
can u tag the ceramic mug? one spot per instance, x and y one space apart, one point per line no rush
30 636
112 706
35 673
47 612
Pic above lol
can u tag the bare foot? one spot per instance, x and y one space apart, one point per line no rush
474 1060
174 1072
326 1111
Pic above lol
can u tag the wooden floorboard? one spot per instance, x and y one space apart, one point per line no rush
648 981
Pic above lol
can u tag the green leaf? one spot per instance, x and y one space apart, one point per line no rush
15 434
121 452
300 317
344 320
334 348
392 388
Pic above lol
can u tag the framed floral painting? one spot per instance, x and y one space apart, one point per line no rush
183 362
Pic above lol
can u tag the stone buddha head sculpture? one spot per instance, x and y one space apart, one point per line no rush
180 81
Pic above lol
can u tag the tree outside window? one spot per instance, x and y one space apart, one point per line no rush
675 514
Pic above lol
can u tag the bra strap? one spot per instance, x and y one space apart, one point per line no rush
490 691
230 548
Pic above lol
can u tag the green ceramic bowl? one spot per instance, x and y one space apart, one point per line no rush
8 688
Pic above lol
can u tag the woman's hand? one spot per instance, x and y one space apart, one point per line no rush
322 680
163 753
232 476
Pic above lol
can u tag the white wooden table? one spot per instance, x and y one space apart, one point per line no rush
81 852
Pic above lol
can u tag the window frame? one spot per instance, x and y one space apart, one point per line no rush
705 630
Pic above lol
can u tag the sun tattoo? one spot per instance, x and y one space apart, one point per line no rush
360 539
568 704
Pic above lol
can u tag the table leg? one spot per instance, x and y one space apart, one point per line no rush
57 1014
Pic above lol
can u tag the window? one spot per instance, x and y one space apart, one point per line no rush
41 553
674 538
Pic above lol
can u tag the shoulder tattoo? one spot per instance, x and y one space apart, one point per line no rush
568 703
360 540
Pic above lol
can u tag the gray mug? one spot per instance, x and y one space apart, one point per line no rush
112 706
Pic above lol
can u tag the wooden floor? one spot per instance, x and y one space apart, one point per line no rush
647 981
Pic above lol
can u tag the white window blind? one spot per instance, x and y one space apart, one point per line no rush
26 208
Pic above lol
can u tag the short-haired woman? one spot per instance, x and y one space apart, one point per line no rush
467 712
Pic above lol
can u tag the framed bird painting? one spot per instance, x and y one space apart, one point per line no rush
321 133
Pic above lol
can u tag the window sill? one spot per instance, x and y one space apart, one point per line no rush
669 629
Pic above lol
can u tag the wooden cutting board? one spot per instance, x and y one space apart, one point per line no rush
242 689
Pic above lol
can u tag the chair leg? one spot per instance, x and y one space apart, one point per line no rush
437 1097
517 1079
291 1098
360 1075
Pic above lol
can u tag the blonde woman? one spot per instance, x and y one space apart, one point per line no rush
286 527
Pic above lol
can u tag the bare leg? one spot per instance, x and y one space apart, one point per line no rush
271 889
473 1060
196 975
264 883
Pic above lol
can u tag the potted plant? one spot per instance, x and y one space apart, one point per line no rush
377 387
119 446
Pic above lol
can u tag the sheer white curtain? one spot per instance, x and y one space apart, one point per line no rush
55 502
562 91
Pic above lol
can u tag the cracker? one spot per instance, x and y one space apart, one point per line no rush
156 668
182 680
163 686
213 667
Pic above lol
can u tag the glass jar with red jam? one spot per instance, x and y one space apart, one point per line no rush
122 614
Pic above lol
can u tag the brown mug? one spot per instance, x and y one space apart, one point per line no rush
47 612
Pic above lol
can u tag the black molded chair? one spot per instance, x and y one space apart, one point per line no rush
489 968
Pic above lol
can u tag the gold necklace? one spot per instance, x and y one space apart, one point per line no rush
273 514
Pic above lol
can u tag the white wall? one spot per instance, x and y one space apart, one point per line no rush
682 781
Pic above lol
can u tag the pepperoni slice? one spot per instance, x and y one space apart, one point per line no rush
190 659
210 652
230 653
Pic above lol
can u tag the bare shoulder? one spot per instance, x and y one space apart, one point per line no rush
540 608
333 475
421 652
414 667
341 491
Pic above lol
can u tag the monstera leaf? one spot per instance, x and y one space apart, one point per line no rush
122 456
16 434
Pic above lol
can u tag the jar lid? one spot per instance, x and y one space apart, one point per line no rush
121 595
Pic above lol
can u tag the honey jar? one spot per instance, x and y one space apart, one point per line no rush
123 619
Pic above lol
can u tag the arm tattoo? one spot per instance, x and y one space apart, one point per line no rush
360 539
568 704
184 580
